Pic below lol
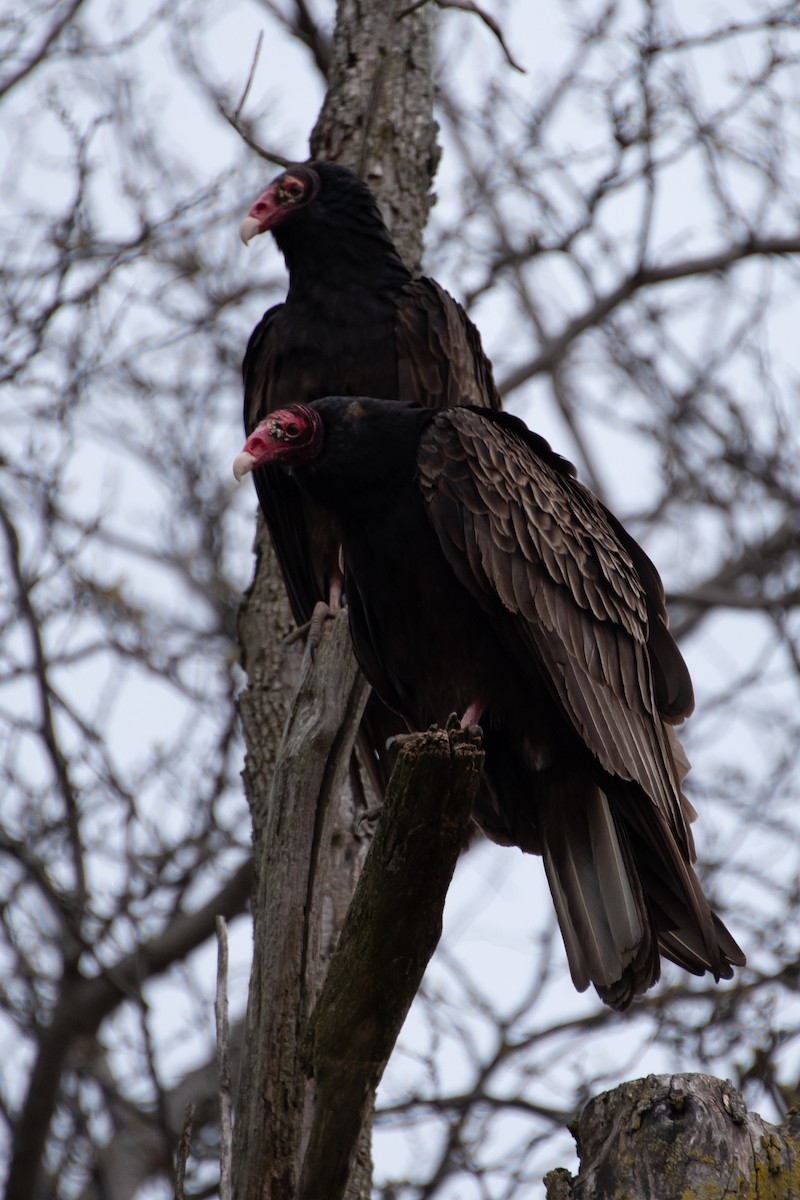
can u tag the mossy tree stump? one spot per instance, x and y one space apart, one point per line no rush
679 1137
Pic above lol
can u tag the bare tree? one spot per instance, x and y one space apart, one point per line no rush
622 222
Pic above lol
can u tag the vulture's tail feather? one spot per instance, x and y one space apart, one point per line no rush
601 905
689 932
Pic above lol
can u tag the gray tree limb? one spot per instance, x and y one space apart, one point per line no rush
552 353
81 1006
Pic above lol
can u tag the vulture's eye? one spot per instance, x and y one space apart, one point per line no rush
292 429
291 191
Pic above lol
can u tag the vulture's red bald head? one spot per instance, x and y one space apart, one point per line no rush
292 190
290 437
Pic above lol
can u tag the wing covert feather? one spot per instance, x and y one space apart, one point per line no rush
440 358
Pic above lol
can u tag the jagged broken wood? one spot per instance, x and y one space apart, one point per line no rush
670 1136
392 928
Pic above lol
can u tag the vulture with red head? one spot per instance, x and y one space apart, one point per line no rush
354 323
483 578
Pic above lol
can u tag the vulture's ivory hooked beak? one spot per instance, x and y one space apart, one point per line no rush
248 229
243 464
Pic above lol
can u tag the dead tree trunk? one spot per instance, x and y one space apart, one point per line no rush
678 1135
377 118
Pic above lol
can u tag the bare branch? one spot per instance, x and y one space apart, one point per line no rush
40 53
51 742
302 26
256 53
596 313
184 1147
235 122
224 1061
471 7
83 1003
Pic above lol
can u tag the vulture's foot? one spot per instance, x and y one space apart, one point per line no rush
472 716
324 611
316 626
468 724
312 630
454 724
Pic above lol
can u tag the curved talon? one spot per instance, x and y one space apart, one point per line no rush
298 634
371 814
398 740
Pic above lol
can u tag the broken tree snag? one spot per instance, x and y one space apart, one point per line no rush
392 928
670 1136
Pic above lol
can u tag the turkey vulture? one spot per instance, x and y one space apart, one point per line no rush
483 578
353 323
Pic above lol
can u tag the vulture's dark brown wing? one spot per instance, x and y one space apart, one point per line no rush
440 359
562 589
520 528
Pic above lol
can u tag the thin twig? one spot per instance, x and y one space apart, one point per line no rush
249 140
224 1064
40 53
248 85
183 1152
716 262
470 7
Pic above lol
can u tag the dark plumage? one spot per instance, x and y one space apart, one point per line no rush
483 578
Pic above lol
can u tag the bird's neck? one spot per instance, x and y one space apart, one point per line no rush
358 260
369 455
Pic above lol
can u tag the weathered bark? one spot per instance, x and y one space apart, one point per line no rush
378 113
670 1136
392 928
377 117
295 835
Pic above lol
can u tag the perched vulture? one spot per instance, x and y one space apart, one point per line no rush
482 578
353 323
